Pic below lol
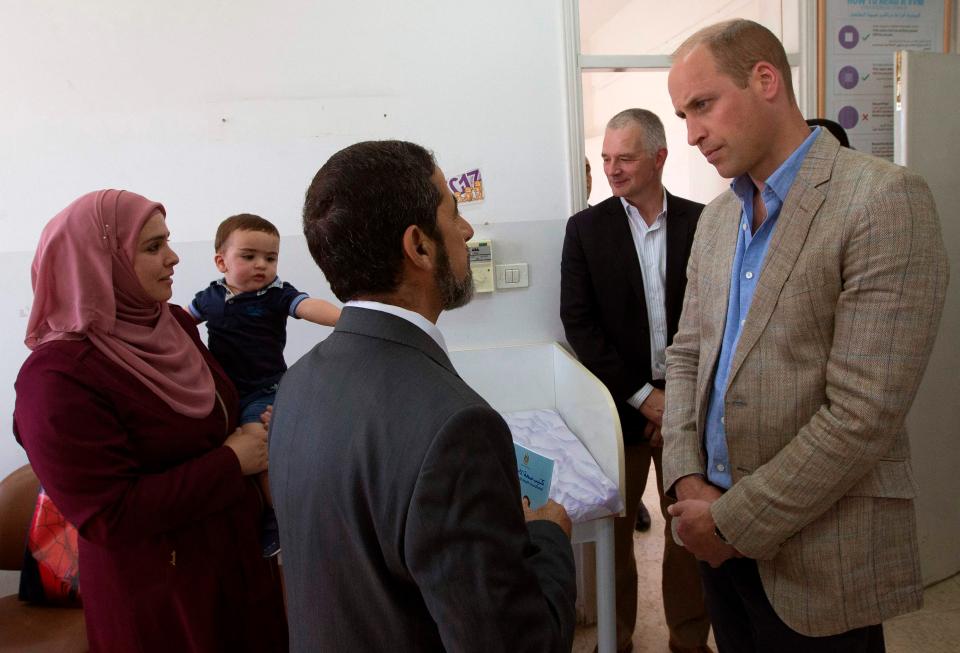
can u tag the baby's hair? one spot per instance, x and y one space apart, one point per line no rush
242 222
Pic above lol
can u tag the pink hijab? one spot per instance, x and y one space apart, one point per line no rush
85 286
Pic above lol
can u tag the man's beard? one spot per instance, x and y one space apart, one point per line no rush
454 292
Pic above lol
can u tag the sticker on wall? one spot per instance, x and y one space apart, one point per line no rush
467 187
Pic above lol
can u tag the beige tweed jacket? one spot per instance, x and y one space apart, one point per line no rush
834 346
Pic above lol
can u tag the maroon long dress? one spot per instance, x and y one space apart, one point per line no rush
169 552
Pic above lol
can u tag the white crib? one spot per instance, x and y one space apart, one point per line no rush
528 377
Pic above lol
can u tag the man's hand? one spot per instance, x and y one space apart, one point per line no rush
652 407
695 486
656 438
697 531
694 523
550 511
648 430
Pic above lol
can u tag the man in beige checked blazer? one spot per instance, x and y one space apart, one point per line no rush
814 292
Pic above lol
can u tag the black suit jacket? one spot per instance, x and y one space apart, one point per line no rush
396 491
602 304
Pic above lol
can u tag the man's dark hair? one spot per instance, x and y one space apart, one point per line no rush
242 222
357 208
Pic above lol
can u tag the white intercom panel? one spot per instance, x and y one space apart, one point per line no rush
481 264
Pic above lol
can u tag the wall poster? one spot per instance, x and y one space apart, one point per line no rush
855 53
467 187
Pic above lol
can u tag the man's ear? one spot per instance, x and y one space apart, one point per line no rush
419 248
661 158
766 79
219 262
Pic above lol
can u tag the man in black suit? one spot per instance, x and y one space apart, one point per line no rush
622 282
395 485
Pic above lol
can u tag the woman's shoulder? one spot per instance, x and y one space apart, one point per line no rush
65 367
59 354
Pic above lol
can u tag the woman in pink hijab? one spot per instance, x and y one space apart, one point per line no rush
130 425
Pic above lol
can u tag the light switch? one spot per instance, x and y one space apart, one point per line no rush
512 275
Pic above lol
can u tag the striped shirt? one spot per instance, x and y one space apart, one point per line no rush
651 245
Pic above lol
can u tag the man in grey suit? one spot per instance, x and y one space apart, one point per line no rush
395 485
814 291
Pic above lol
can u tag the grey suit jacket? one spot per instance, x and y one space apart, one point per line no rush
834 346
396 491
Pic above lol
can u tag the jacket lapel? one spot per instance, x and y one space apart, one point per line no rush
714 286
624 249
678 235
801 205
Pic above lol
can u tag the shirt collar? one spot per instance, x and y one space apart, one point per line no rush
230 294
413 317
782 178
628 207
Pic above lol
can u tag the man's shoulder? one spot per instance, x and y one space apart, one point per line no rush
675 203
396 377
853 165
683 213
382 359
607 206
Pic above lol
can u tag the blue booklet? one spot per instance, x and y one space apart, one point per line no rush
536 474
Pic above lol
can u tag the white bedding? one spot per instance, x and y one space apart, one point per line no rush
579 484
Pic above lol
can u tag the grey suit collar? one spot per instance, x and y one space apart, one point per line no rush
377 324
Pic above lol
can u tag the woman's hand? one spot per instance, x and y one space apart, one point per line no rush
249 443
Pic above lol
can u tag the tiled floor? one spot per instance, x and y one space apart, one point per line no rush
934 629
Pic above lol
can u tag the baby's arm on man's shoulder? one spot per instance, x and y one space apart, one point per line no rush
318 311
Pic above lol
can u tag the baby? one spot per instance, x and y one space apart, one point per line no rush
246 314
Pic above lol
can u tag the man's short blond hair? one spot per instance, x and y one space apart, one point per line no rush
737 46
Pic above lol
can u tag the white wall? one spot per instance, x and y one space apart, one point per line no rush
215 108
644 27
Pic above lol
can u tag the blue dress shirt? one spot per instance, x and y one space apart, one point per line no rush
744 274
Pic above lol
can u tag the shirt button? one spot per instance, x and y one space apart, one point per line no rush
749 275
721 467
742 322
744 226
723 420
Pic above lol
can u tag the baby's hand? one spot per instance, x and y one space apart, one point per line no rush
266 416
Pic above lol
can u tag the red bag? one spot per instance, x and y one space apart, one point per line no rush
51 570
